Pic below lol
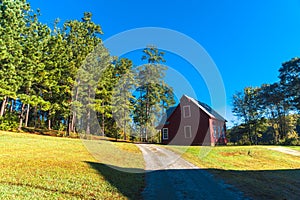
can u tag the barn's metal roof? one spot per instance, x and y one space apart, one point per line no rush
166 116
206 108
203 106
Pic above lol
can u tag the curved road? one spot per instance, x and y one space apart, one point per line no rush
171 177
285 150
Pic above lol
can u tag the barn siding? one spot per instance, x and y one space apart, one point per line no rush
201 126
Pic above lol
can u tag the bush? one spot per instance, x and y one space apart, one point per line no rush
9 122
290 141
244 142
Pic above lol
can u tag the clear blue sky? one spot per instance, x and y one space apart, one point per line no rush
248 40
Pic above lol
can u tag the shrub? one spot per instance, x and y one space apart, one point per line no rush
9 122
290 141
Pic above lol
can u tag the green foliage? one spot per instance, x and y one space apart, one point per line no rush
268 136
13 22
123 99
64 78
246 106
290 141
153 95
277 103
289 75
9 122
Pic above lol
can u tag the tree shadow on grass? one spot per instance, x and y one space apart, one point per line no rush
127 181
263 184
225 184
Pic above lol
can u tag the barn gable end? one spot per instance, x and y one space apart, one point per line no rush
192 123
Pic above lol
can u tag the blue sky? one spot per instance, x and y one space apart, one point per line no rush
247 40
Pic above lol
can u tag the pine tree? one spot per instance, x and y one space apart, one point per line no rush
152 91
82 38
12 25
89 75
123 98
32 70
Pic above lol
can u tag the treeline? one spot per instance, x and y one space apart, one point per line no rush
63 78
270 113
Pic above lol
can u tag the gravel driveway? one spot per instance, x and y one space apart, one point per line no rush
171 177
285 150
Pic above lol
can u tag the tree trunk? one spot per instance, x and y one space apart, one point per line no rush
27 115
11 106
147 114
73 123
103 119
274 128
255 132
249 132
284 126
124 128
49 124
43 119
88 117
88 121
49 120
141 135
21 117
68 126
35 116
2 110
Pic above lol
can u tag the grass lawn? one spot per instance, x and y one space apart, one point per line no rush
120 155
295 147
258 172
39 167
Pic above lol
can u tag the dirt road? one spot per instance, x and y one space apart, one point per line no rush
285 150
171 177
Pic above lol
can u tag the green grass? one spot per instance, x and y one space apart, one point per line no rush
117 154
39 167
295 147
258 172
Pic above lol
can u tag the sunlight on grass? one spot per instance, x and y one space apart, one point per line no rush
239 158
297 148
33 166
118 154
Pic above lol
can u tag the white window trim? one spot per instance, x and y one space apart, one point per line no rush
185 131
189 111
165 138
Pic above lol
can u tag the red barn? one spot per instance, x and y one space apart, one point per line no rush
192 122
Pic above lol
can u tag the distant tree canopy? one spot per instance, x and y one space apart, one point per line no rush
270 113
46 80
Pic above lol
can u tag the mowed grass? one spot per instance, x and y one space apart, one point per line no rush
119 155
295 147
257 171
43 167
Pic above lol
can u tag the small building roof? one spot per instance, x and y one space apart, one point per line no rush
203 106
206 108
166 116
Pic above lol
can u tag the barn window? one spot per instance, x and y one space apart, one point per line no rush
186 111
215 131
187 131
165 133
